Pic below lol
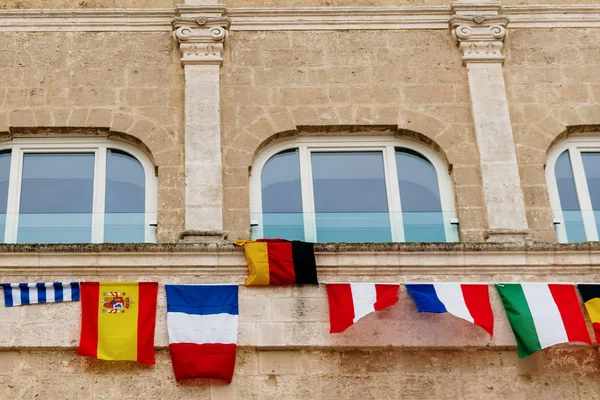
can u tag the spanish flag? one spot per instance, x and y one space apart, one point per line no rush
279 262
117 320
590 294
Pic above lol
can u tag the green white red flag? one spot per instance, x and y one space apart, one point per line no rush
542 315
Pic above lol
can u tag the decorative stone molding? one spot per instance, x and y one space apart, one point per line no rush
201 38
479 37
400 262
290 19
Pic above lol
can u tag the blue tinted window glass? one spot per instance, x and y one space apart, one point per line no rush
569 203
56 198
4 174
124 219
591 165
566 183
282 197
350 197
422 215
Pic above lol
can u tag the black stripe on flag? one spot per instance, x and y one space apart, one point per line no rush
305 267
588 291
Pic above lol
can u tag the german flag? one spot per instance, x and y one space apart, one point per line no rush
279 262
590 294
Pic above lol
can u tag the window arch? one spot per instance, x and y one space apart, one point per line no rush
352 189
76 190
573 177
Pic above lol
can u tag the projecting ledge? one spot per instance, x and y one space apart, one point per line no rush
339 262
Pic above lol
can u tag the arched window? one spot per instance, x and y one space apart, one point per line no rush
76 190
352 189
573 176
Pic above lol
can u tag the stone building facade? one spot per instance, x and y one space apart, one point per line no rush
495 92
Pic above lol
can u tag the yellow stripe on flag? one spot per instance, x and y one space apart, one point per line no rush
257 257
117 327
593 309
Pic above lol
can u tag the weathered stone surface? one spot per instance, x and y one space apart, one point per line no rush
91 3
273 82
120 81
314 374
551 86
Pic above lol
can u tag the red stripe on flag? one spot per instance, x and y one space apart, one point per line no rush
596 326
477 300
146 322
89 296
387 295
567 302
281 263
341 307
212 360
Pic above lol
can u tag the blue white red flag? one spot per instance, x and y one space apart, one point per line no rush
467 301
203 325
22 294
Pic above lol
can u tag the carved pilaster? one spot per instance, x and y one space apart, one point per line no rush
201 38
200 30
479 31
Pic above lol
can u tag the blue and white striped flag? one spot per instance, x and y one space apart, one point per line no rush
21 294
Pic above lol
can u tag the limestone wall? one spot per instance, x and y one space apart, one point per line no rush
313 374
89 3
333 3
552 83
128 82
273 82
274 317
230 3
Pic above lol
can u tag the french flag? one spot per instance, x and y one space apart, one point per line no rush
466 301
349 302
202 322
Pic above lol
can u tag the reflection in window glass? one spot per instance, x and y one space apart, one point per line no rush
4 174
56 198
282 197
350 197
124 219
419 197
591 166
569 204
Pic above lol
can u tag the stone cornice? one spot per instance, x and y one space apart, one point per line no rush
379 262
339 18
303 18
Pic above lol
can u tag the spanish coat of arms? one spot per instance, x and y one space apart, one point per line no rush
115 302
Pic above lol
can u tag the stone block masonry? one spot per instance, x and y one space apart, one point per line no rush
551 86
130 83
315 374
273 82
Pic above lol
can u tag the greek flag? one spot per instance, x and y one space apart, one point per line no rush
21 294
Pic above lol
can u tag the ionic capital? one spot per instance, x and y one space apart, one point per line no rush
201 38
479 32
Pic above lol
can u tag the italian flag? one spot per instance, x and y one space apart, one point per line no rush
542 315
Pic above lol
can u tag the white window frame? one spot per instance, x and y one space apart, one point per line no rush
575 146
96 145
308 145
